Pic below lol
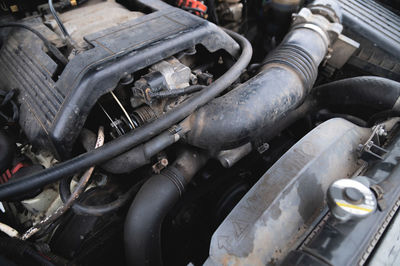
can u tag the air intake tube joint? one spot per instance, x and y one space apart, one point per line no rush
287 76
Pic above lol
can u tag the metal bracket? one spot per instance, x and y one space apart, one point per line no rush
371 150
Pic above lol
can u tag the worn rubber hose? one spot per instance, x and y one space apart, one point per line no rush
142 232
368 91
256 106
96 210
134 138
52 49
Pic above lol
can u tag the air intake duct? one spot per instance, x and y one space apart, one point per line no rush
287 76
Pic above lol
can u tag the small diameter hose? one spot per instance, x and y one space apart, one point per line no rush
52 49
77 192
133 138
98 210
58 20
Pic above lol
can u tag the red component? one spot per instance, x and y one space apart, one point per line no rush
5 177
197 7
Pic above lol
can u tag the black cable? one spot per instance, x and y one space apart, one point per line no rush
176 92
58 20
20 248
52 49
81 208
135 137
8 99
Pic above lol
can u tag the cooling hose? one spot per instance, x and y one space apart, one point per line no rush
152 203
367 91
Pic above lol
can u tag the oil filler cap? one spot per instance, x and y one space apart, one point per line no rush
349 199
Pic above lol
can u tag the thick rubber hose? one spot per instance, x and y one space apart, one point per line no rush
255 107
152 203
134 138
368 91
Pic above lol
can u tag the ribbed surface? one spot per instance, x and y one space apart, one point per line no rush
31 79
174 178
298 59
373 15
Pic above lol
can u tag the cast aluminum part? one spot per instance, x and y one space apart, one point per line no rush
288 197
176 74
228 158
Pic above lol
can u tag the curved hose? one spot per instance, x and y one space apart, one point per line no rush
368 91
52 49
134 138
72 198
152 203
58 20
98 210
256 106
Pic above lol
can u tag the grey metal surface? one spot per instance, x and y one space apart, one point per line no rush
288 197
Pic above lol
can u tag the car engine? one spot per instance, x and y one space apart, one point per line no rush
187 132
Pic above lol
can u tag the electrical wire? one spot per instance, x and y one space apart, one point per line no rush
176 92
8 230
123 109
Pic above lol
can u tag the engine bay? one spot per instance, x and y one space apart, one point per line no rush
229 132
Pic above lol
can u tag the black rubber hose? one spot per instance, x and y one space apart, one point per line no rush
98 210
52 49
7 151
135 158
367 91
152 203
256 106
58 20
176 92
17 247
134 138
326 115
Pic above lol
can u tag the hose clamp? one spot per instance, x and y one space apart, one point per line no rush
328 30
324 35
